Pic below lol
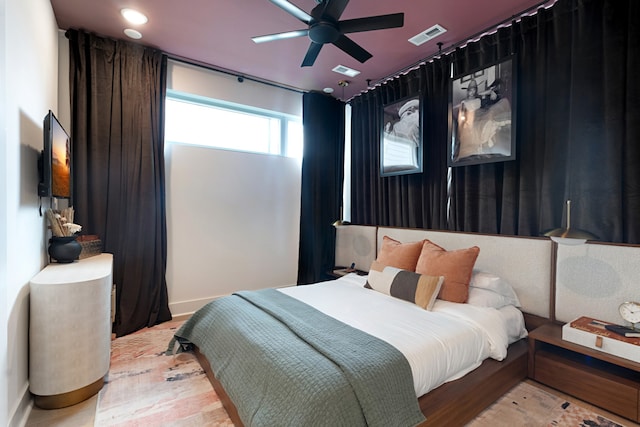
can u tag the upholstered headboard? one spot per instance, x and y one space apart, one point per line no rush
523 262
356 244
593 279
586 280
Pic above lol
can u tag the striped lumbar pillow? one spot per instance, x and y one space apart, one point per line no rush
419 289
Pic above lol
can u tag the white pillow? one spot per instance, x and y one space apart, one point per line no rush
486 298
495 284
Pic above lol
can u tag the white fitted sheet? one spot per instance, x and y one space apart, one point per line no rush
440 345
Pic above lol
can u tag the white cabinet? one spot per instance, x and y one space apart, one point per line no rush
70 331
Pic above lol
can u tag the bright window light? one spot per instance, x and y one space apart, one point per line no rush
191 120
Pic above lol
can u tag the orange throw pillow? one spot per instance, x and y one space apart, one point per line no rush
400 255
456 267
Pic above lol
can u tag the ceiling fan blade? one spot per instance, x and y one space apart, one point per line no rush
280 36
334 8
352 48
380 22
293 10
312 54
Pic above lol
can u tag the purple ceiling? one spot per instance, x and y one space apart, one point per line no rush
218 33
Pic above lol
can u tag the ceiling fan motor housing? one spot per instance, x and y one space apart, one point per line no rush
324 32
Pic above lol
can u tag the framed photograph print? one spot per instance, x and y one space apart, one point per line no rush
401 137
482 115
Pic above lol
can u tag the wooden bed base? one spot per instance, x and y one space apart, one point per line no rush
452 404
457 402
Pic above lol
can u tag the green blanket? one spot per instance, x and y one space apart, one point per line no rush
284 363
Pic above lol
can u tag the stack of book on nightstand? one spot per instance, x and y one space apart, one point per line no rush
598 335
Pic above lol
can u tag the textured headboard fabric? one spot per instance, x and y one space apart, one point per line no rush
593 279
356 244
590 280
524 262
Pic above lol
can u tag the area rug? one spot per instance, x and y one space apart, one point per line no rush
529 406
147 388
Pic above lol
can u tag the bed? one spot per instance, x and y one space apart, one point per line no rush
353 351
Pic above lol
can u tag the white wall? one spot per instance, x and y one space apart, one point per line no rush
233 218
201 81
29 76
233 223
4 289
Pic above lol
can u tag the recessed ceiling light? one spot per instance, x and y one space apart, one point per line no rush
346 71
133 33
328 90
134 17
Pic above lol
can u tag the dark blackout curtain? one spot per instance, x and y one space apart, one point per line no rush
322 180
414 200
117 121
577 126
577 132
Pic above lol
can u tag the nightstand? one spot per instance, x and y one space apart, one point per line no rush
70 331
342 271
602 379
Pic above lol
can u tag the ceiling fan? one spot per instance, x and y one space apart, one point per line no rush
325 27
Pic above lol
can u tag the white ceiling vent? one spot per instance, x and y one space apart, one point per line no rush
346 71
428 34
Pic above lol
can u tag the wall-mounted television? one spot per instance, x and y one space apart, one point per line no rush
54 164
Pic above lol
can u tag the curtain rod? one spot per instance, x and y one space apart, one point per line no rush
241 77
454 46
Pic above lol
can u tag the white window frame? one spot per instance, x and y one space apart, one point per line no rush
283 118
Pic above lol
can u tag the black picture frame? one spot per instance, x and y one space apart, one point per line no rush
482 125
401 137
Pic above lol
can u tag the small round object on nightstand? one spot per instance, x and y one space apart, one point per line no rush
630 311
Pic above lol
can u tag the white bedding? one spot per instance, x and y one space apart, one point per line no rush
440 345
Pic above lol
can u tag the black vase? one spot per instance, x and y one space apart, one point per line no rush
64 249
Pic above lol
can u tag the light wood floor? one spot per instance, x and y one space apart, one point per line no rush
82 414
79 415
620 420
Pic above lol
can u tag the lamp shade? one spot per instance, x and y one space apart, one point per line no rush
568 235
340 222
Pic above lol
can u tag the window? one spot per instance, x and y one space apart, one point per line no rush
207 122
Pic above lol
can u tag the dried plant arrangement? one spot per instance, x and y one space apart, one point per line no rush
61 222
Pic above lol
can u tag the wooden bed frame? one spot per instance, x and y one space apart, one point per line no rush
454 403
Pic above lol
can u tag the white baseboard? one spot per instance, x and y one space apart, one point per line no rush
187 308
22 410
